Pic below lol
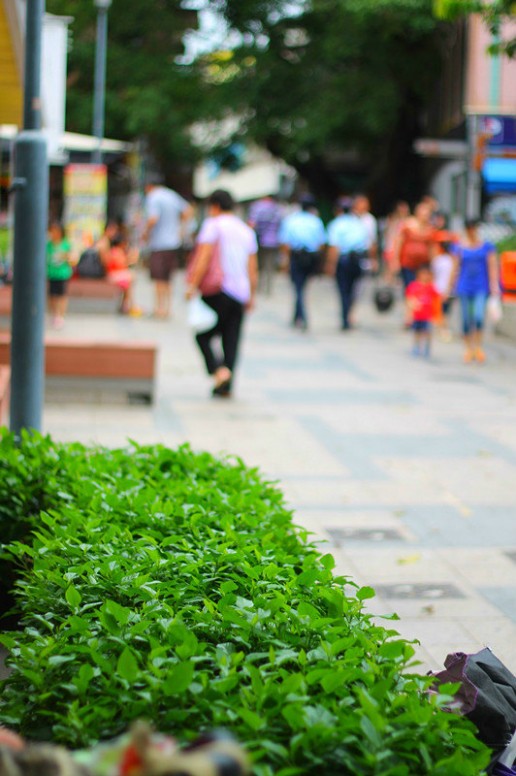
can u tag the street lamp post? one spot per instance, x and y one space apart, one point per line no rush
30 185
99 94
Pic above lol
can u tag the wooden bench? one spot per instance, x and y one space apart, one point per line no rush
93 288
86 370
5 387
78 289
6 300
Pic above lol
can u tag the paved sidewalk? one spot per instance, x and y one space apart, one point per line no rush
406 469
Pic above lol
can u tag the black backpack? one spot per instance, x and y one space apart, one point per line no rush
90 264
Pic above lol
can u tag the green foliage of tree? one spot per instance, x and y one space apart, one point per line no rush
494 13
333 78
148 92
328 85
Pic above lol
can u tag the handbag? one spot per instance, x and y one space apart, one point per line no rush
494 309
200 316
486 695
211 282
383 298
90 264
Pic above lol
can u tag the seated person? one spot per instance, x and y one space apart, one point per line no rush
117 258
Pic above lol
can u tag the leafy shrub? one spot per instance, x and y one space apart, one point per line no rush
172 586
507 243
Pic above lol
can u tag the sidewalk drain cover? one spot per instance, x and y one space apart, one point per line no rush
426 590
342 535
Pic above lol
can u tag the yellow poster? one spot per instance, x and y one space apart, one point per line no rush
85 195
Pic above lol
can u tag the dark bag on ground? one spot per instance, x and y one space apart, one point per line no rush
487 695
90 264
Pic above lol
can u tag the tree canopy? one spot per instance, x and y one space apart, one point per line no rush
494 12
334 87
148 93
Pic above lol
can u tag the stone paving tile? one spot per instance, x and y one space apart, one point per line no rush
481 567
502 597
405 563
421 591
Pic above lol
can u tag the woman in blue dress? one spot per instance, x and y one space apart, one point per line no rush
475 277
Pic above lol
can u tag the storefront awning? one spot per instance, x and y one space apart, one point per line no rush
499 176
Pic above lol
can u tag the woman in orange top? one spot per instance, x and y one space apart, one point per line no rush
415 244
116 259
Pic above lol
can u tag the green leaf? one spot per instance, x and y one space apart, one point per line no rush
73 597
120 613
365 592
328 561
127 666
252 719
178 678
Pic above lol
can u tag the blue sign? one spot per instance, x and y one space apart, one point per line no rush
501 130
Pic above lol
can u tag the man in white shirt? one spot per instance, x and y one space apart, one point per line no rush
165 211
361 208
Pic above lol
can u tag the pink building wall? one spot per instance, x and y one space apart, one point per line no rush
490 81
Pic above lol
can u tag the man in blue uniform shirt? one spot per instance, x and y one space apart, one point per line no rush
302 237
348 242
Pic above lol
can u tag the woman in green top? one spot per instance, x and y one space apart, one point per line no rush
59 272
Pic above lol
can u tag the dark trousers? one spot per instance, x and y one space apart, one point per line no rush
407 276
302 267
228 327
347 274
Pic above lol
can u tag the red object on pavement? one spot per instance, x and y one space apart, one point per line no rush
131 764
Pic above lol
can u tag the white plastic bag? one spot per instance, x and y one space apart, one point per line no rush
200 316
494 309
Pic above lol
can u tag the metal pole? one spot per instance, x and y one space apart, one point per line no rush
473 184
33 47
30 225
99 95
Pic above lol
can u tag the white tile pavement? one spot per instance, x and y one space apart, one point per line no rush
361 438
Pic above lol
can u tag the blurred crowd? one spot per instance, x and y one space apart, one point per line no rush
411 251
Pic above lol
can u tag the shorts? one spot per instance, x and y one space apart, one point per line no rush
162 264
57 287
421 325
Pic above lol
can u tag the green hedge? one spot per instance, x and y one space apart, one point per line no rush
507 243
172 586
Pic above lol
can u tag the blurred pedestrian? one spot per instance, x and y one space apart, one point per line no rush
302 237
414 245
265 216
59 271
348 245
474 278
393 225
117 258
225 239
422 299
362 210
442 270
165 210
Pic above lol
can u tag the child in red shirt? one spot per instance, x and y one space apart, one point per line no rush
422 303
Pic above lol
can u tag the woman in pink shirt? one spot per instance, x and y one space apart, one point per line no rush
227 239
